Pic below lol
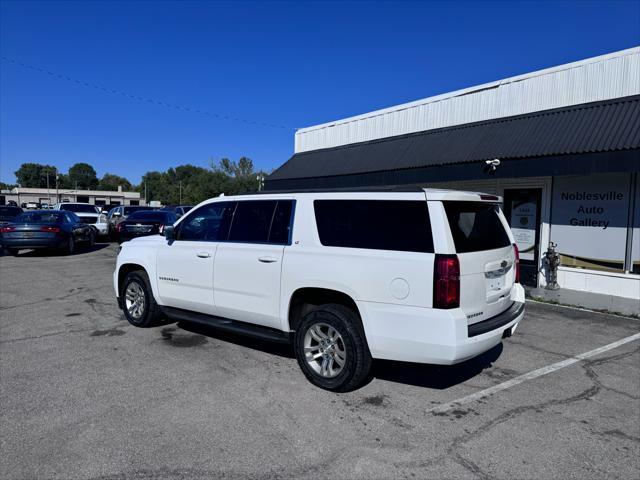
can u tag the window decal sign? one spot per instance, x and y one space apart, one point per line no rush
523 226
589 220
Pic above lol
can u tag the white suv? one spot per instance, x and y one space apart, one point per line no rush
88 213
429 276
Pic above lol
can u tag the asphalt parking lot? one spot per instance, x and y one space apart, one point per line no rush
83 395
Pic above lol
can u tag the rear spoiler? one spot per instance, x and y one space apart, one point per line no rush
459 196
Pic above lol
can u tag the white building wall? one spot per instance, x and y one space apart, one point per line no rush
595 79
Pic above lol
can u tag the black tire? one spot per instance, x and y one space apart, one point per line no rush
357 364
70 247
13 251
151 315
92 238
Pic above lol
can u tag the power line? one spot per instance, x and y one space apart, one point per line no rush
139 98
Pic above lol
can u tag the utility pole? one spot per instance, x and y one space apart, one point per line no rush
48 193
145 193
57 193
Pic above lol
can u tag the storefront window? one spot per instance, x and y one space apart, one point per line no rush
589 216
635 249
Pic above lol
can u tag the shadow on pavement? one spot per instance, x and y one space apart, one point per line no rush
439 377
435 376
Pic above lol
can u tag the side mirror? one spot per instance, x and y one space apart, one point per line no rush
169 233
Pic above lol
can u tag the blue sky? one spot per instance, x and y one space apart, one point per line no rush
293 64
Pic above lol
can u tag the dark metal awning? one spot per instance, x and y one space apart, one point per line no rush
569 133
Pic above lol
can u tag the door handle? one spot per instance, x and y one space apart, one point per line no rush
267 259
203 254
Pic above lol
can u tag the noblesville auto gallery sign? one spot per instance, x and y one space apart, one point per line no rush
589 220
591 216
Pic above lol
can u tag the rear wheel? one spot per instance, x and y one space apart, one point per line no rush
92 238
13 251
138 304
331 348
70 247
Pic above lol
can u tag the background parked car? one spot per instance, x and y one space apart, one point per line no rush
9 213
120 213
46 229
88 213
143 223
179 210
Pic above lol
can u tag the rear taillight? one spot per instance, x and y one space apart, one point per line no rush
517 262
119 227
446 282
7 229
50 229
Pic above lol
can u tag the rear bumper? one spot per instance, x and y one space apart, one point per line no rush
124 236
20 243
425 335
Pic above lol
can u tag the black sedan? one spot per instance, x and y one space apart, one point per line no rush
46 229
143 223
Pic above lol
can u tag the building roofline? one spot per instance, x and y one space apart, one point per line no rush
473 89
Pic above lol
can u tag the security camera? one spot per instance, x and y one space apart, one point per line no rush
492 165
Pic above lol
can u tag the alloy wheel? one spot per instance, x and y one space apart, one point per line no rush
324 350
134 300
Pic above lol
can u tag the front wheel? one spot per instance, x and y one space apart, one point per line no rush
331 348
138 304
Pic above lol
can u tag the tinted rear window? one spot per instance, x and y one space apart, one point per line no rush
375 224
40 217
152 215
78 208
476 226
130 210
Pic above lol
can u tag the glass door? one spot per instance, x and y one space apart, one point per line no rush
522 209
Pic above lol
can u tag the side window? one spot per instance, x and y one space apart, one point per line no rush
281 225
252 221
208 223
377 224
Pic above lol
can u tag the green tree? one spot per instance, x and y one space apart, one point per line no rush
83 175
190 184
7 186
111 182
34 175
241 176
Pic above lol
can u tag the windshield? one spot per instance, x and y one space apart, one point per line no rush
130 210
40 217
79 208
9 213
151 215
